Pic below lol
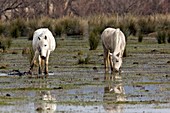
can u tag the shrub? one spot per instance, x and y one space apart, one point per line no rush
81 60
146 25
14 32
23 28
168 37
47 23
112 22
58 29
94 39
18 28
96 26
161 37
163 22
5 42
28 53
129 23
140 38
125 30
30 34
132 27
98 23
2 28
33 24
84 60
69 26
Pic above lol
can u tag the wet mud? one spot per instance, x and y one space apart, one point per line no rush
142 86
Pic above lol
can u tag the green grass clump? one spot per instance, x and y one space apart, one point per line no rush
98 23
96 26
30 34
140 37
35 24
14 32
47 23
5 42
32 26
168 37
28 53
58 29
3 27
84 60
69 26
132 27
146 25
161 37
18 28
128 25
94 40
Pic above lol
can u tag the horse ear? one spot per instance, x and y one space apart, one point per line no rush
45 37
38 38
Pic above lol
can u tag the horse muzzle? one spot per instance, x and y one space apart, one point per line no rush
43 57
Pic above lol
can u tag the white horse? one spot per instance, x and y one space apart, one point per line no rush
43 44
114 43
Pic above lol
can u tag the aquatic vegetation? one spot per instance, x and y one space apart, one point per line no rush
5 42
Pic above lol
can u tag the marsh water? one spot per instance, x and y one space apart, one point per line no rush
143 86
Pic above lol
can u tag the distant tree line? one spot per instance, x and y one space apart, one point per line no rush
10 9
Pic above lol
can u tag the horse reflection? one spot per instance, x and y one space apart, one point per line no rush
113 93
46 101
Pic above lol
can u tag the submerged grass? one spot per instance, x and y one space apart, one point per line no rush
9 98
80 103
2 103
150 83
138 102
6 100
25 89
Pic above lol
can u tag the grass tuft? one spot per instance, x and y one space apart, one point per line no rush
5 42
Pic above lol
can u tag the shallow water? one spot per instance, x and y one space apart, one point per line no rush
102 95
142 86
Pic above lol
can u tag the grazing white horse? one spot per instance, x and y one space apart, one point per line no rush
43 43
114 43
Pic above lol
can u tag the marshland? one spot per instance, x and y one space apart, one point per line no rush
77 81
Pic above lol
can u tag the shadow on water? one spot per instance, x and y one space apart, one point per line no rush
35 96
46 102
114 92
96 99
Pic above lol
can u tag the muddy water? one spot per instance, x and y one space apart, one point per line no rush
142 86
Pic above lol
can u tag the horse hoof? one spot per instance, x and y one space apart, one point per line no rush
46 75
29 72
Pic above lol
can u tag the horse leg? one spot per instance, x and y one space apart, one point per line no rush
111 62
40 65
33 61
46 63
106 60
